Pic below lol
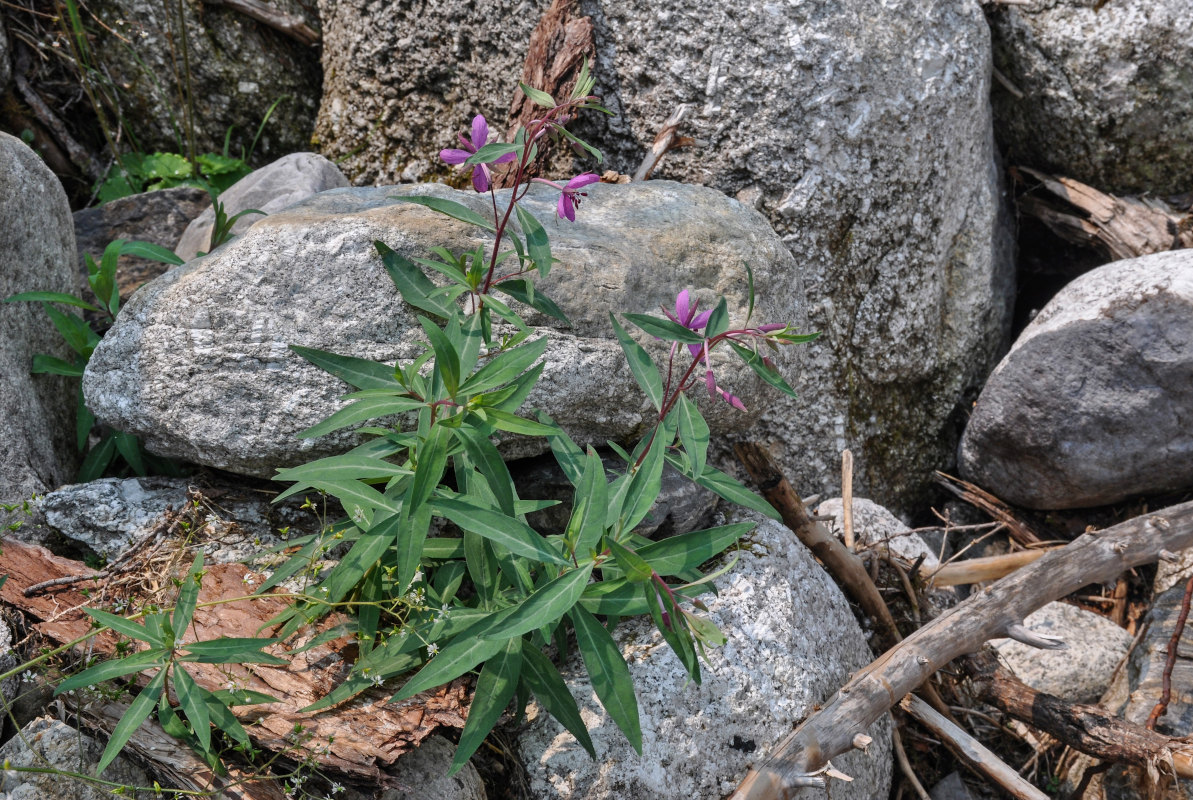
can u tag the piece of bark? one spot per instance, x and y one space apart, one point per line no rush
357 738
285 24
667 139
1117 227
1089 729
1020 530
997 611
969 749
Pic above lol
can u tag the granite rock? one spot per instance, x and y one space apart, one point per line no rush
792 641
1093 404
220 326
1101 91
48 742
874 527
37 253
862 132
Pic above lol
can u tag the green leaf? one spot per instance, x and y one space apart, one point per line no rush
223 718
511 423
589 506
138 711
149 250
351 493
232 650
504 367
610 676
447 360
546 605
693 432
643 485
675 554
635 567
749 291
595 153
464 653
359 372
241 697
55 366
484 457
125 627
665 329
360 411
348 466
767 373
451 209
673 628
494 690
511 533
537 243
520 290
167 165
718 321
641 366
537 96
438 549
544 680
729 488
129 447
491 152
51 297
188 596
97 459
360 559
74 329
194 705
117 668
567 453
414 286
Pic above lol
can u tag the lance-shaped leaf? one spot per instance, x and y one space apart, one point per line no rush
537 243
610 676
522 290
116 668
762 369
537 96
138 710
194 705
635 567
642 368
451 209
494 690
188 595
544 680
727 487
414 286
51 297
665 329
360 411
589 506
447 360
513 534
464 653
676 554
504 367
693 432
232 650
670 622
546 605
349 466
125 627
360 372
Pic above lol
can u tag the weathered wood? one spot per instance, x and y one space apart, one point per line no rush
971 750
1020 531
844 566
1092 558
285 24
979 570
1118 227
1086 728
667 139
358 738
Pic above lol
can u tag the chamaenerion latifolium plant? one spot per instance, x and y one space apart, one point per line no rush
82 335
493 596
492 592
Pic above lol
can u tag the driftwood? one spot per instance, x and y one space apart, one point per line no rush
997 611
358 738
1021 531
1089 729
267 15
971 750
1117 227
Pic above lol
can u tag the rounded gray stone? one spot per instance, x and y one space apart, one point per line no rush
1094 402
48 742
37 253
1101 91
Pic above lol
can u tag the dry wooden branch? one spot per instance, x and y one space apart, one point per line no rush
667 139
847 498
77 153
1088 729
1174 642
843 565
1020 531
978 570
267 15
1091 558
905 767
971 750
1118 227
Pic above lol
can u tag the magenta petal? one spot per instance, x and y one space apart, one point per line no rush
480 131
583 180
480 178
700 321
454 156
711 383
565 208
770 327
735 401
505 159
683 308
695 349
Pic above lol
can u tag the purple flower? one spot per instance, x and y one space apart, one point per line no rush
480 137
569 200
685 314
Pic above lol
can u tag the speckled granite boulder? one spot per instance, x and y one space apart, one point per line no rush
861 130
792 642
46 742
1101 91
1093 403
198 363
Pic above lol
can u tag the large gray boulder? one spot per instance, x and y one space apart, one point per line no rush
1092 405
269 189
46 742
238 68
792 642
37 253
311 276
862 131
1101 91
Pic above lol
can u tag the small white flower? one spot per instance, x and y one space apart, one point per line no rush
432 649
28 676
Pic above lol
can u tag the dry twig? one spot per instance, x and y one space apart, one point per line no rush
1174 643
1020 531
285 24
